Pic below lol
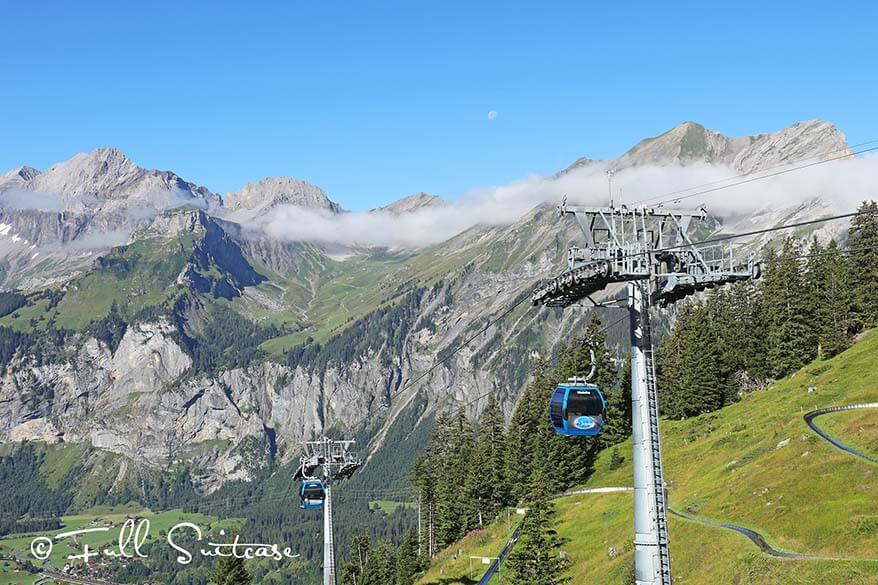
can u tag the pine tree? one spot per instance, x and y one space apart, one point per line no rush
837 322
451 503
815 282
670 364
230 571
792 339
690 373
536 559
751 311
863 243
736 327
616 459
706 378
381 566
831 297
425 476
528 420
354 571
408 562
486 486
476 490
618 426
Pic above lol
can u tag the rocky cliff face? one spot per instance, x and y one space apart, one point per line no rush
17 178
216 263
133 402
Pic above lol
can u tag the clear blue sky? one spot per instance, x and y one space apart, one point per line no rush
373 101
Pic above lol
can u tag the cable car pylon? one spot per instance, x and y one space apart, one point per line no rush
335 462
650 249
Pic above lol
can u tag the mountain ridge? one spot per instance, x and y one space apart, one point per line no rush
691 142
259 197
412 203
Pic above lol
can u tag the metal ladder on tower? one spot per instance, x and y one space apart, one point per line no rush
329 544
658 474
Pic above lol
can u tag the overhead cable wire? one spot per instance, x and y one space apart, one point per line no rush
603 329
825 252
717 239
747 180
851 151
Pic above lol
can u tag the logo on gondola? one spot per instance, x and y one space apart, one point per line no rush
584 423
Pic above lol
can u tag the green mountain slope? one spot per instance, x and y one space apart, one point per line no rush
736 466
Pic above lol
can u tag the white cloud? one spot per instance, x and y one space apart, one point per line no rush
163 199
21 199
98 241
492 115
842 184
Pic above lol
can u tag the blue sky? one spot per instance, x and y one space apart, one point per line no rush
375 101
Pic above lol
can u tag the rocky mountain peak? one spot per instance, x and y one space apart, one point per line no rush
690 142
807 140
17 178
106 155
107 178
257 198
100 171
27 173
412 203
684 143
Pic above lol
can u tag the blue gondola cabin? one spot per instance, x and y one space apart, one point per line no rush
578 410
311 494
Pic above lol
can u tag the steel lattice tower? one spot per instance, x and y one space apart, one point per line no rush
650 249
336 462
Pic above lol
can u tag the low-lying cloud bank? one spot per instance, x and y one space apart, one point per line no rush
146 206
121 216
840 184
21 199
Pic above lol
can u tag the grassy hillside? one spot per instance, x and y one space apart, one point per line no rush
135 276
736 466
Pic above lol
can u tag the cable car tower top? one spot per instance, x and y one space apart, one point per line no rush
641 243
651 249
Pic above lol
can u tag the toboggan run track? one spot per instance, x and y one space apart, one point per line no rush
755 537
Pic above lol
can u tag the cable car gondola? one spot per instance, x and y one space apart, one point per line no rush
578 409
311 494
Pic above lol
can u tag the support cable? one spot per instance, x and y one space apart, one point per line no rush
757 178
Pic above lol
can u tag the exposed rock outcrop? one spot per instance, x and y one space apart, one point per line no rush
254 200
412 203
